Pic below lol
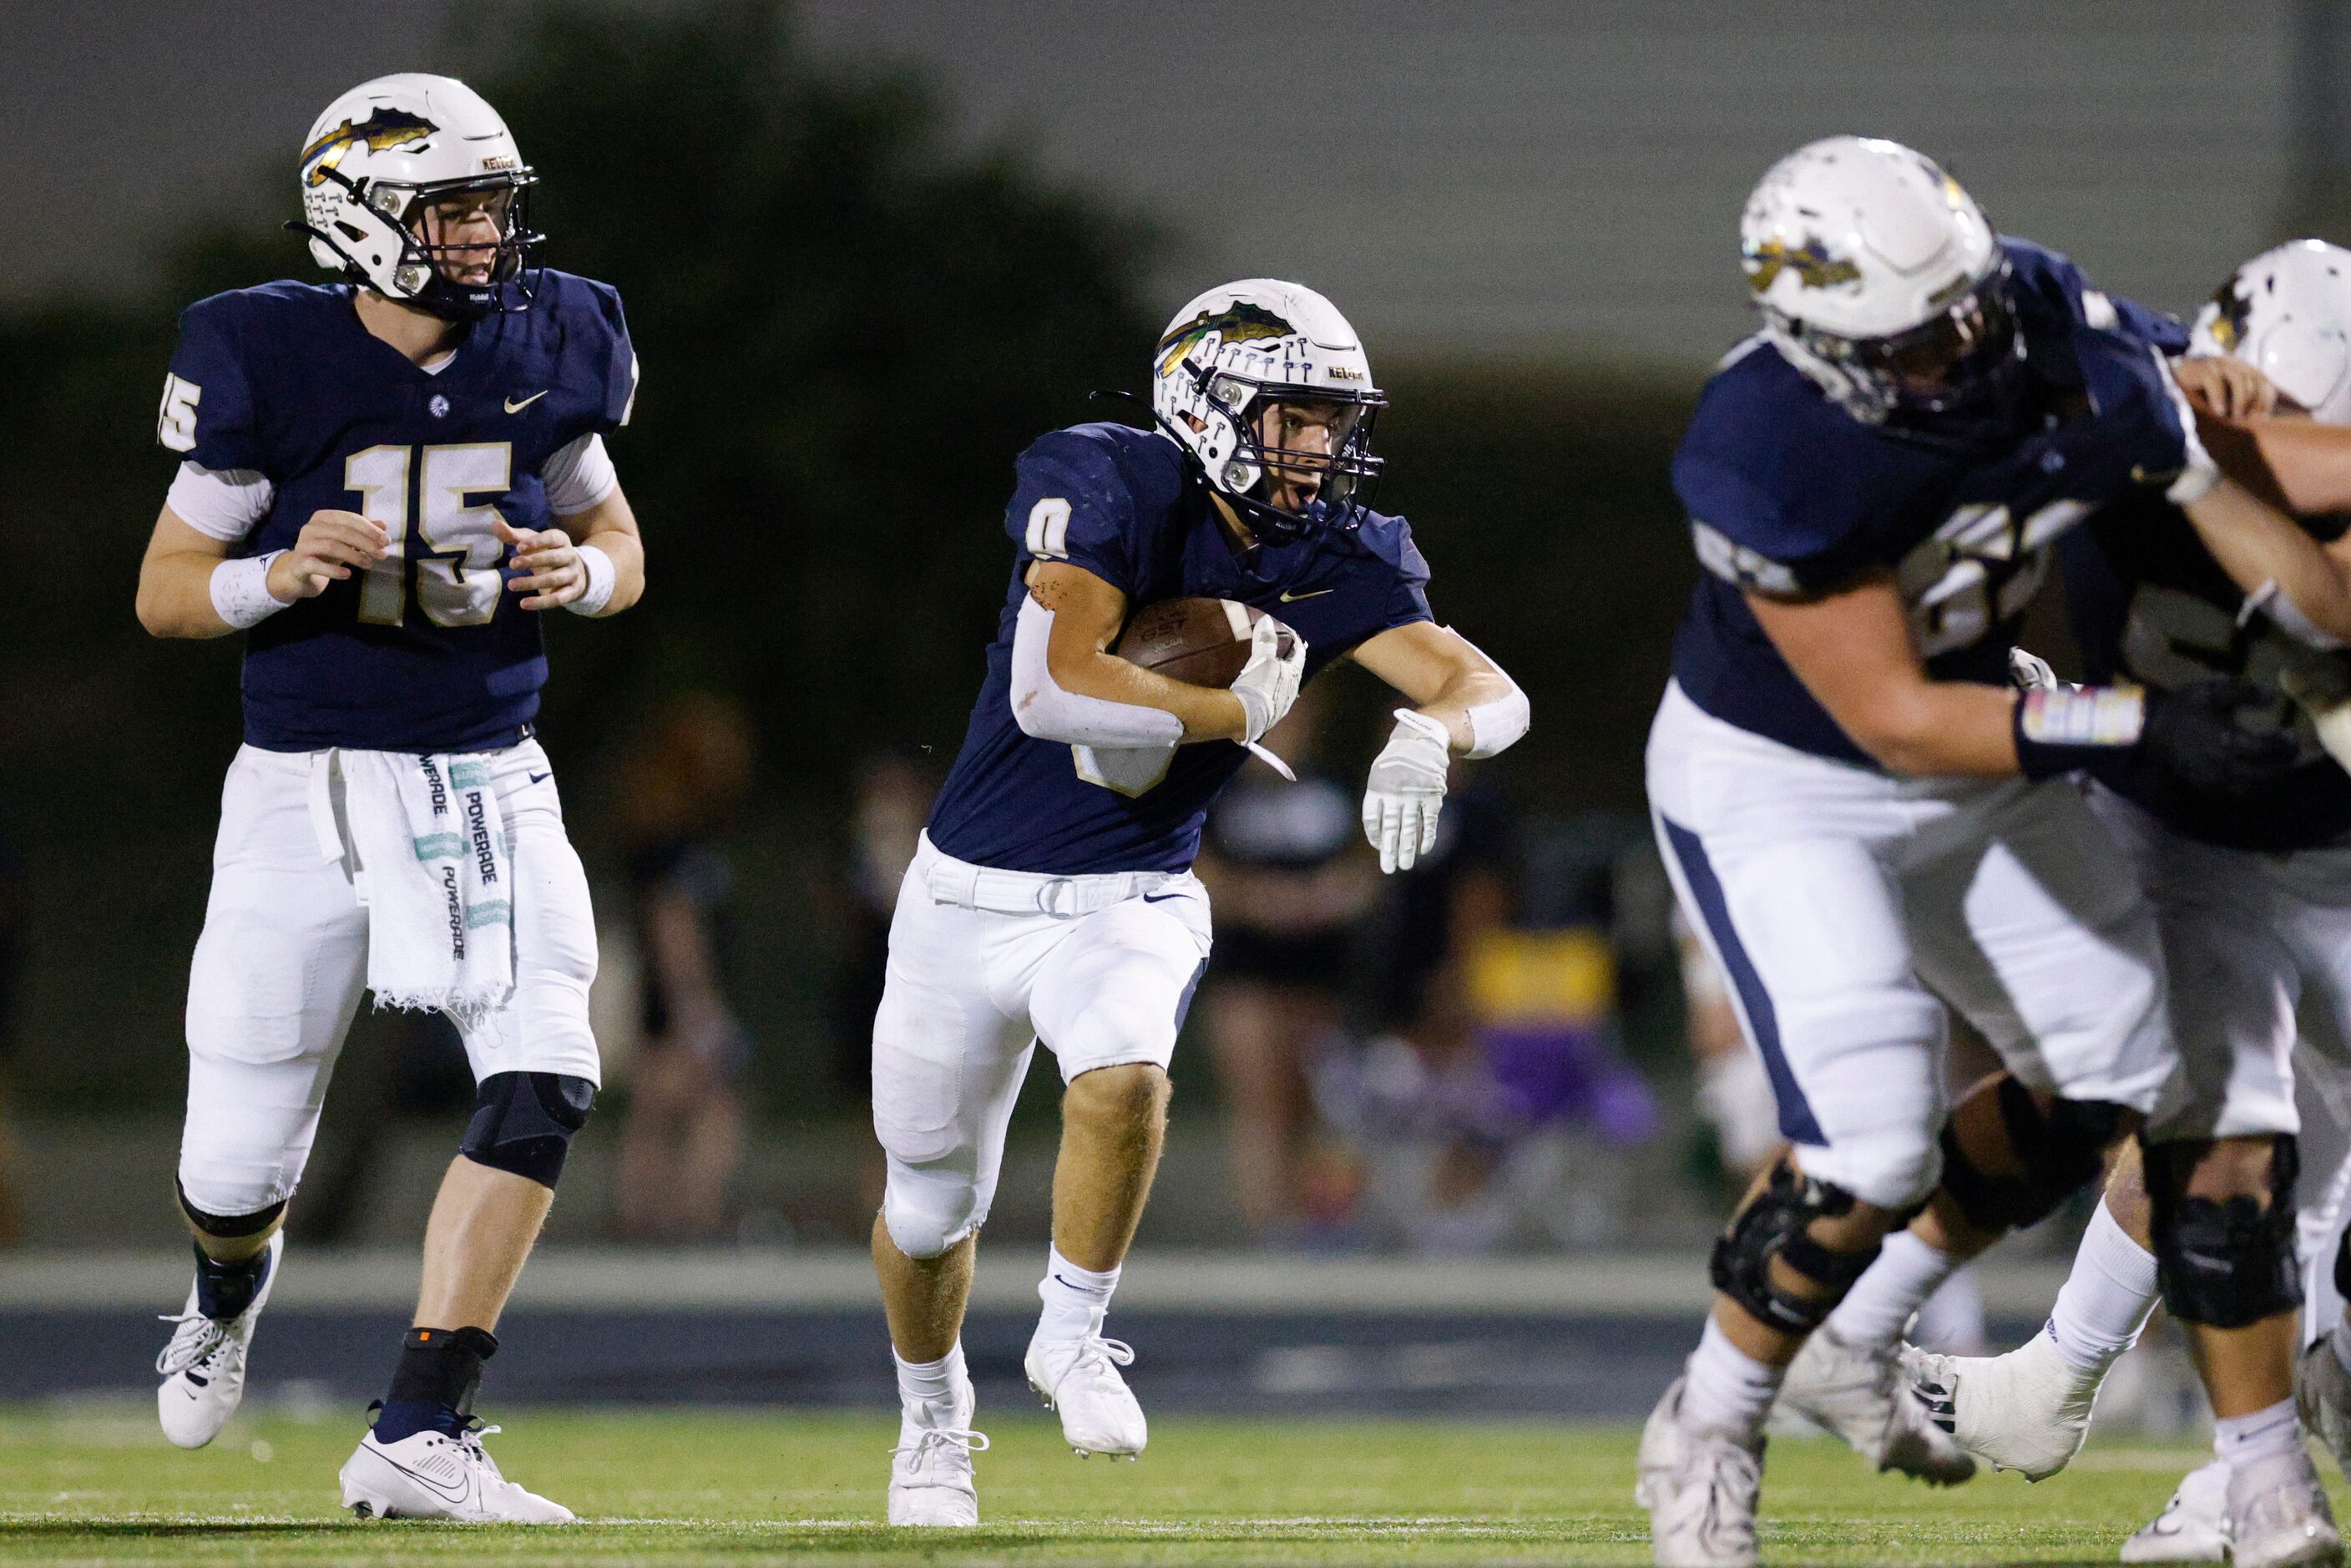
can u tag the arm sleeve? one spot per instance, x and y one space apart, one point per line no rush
222 503
1071 503
207 414
1045 711
579 476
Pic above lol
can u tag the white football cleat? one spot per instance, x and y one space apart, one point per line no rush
2027 1411
1700 1488
431 1474
2193 1526
204 1364
931 1481
2322 1397
1079 1378
2278 1514
1859 1394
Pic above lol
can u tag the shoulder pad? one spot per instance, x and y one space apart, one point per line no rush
1389 539
1779 483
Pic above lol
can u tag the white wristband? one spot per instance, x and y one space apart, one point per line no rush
241 593
601 581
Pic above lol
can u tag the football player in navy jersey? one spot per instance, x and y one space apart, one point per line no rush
2252 891
385 482
1865 820
1052 892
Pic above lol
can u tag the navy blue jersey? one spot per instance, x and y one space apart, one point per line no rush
425 652
2148 604
1788 494
1125 505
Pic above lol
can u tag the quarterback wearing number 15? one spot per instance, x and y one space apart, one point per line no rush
385 482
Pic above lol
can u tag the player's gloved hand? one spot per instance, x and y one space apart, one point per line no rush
1406 790
2195 734
2029 672
552 572
1268 683
331 546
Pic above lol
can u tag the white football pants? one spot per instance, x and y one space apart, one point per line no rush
1841 902
1099 969
283 959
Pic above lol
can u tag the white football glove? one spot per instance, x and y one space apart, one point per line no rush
1406 790
1268 683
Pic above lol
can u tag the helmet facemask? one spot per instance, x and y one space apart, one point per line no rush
1248 474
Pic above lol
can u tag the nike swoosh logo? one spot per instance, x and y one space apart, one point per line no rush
541 778
1290 598
439 1488
515 407
1163 897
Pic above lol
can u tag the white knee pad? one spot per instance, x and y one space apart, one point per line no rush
928 1210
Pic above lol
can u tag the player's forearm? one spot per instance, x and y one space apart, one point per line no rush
626 550
1206 713
175 597
2309 462
1463 691
1939 728
2257 546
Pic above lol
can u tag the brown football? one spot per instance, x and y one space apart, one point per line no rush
1203 642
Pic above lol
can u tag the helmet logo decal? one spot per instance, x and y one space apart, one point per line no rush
382 131
2233 310
1813 266
1243 323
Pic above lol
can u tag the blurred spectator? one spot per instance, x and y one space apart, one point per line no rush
680 789
1495 1060
1289 878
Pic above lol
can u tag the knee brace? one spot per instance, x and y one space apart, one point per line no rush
229 1227
524 1122
2342 1263
2061 1151
2225 1262
1773 1227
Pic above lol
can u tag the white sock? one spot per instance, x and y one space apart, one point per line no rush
1951 1320
1075 1299
2338 1339
2265 1434
928 1388
1884 1300
2105 1299
1729 1390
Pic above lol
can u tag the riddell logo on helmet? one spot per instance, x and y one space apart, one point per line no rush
1346 374
381 131
499 163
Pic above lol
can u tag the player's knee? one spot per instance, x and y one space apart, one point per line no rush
2225 1262
2012 1167
524 1122
1129 1097
928 1211
1770 1239
1894 1169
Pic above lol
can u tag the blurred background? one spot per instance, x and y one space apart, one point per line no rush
870 249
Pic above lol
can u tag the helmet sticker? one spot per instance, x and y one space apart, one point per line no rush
1244 323
1813 266
383 131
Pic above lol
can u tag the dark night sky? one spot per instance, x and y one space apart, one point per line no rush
1503 177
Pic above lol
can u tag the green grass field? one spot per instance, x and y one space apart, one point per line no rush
98 1485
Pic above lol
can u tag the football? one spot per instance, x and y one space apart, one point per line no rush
1202 641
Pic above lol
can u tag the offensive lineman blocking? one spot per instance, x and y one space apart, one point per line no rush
1874 484
1054 885
384 481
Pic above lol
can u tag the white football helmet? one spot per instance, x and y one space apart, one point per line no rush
1240 348
2287 313
1880 278
378 156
